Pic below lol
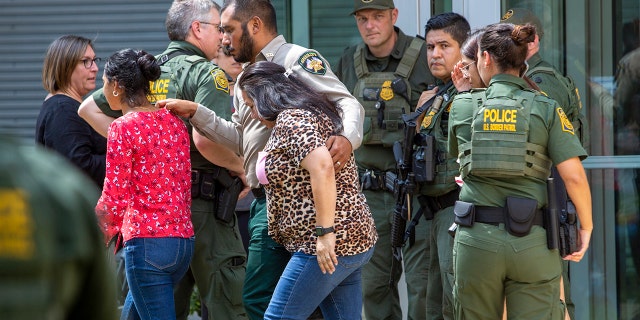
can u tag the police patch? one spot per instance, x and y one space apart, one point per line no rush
312 63
566 124
220 78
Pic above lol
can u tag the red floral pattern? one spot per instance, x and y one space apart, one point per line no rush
147 188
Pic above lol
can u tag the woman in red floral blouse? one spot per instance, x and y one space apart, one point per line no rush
147 189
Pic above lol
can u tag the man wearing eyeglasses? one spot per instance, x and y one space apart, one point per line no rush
251 35
219 260
372 71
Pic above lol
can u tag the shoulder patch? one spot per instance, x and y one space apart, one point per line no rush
17 241
220 78
566 124
311 62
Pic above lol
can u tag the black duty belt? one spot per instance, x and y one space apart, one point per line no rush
258 192
446 200
496 215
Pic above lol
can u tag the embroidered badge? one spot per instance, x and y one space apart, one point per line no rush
426 122
17 238
386 93
312 63
507 15
566 124
220 79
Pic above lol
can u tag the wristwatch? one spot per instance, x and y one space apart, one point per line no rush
320 231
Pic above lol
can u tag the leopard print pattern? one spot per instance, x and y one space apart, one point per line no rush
290 205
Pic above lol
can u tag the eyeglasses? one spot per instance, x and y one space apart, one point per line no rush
88 63
465 69
215 25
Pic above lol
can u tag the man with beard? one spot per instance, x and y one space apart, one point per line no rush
251 35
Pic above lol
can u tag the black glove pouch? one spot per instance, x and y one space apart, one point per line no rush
520 215
465 213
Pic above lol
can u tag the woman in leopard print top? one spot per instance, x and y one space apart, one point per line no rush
303 193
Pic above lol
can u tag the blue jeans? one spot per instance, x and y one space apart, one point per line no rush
302 287
154 266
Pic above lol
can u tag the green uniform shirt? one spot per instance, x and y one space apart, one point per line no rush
248 136
204 83
377 156
547 127
436 124
549 85
53 263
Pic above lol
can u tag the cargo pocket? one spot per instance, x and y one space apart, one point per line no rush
230 282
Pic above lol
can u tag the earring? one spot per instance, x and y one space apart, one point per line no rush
115 93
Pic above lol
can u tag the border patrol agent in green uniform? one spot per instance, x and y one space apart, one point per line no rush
247 136
51 262
445 34
561 89
372 79
219 259
507 138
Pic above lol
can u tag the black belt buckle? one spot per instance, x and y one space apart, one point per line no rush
258 192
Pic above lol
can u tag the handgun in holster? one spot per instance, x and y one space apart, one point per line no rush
227 196
424 157
569 230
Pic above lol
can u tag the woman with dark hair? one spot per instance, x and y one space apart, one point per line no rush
68 74
146 198
319 215
506 148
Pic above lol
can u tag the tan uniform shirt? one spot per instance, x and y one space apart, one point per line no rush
248 136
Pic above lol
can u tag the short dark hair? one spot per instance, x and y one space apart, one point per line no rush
247 9
452 23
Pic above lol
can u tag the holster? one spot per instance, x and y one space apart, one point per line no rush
227 197
569 241
376 180
424 158
520 215
217 186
